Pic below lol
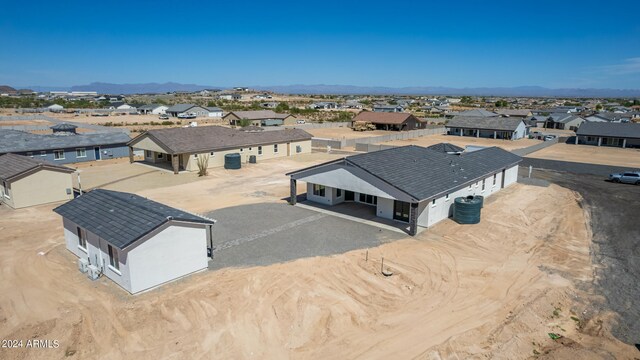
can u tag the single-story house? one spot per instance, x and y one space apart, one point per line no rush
387 108
230 97
215 111
409 184
488 127
521 113
180 148
446 148
260 118
478 112
28 182
55 108
138 243
65 149
563 121
270 104
178 109
608 134
389 121
324 105
154 109
609 117
64 129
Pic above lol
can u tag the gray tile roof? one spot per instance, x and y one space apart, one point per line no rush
12 165
19 141
216 138
486 123
121 218
618 130
149 107
63 127
609 116
179 108
258 114
426 174
478 112
445 148
514 112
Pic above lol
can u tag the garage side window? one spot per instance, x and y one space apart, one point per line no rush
275 148
318 190
113 258
82 240
58 154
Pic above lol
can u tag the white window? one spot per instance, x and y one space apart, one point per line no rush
259 150
5 190
113 258
446 197
483 184
147 153
433 202
81 152
495 177
470 187
298 149
58 154
275 148
318 190
43 153
338 192
82 239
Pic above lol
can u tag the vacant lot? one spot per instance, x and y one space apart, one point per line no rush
340 133
492 290
463 141
590 154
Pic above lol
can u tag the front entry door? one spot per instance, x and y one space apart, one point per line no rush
401 210
349 196
96 150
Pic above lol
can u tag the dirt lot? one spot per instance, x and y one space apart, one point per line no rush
492 290
341 133
464 141
590 154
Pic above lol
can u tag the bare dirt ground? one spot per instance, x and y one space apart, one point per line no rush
492 290
340 133
463 141
590 154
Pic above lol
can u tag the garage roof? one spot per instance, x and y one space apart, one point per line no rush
487 123
617 130
121 218
393 118
12 165
20 141
423 173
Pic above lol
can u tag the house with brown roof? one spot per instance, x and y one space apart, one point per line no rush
182 148
26 181
389 121
260 118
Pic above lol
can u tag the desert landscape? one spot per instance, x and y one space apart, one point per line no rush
491 290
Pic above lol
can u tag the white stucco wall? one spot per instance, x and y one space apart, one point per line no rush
511 176
384 208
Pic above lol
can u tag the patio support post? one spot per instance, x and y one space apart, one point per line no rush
130 155
599 141
477 133
413 219
576 139
624 143
175 163
293 188
495 135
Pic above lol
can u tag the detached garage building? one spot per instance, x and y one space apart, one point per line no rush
136 242
409 184
180 148
397 121
488 127
608 134
28 182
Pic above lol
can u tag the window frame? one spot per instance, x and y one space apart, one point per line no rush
495 179
82 238
114 258
319 190
275 148
55 152
81 156
259 150
43 153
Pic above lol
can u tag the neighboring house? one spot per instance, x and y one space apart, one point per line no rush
28 182
325 105
230 97
270 104
563 121
178 109
155 109
446 148
180 148
136 242
64 129
478 113
260 118
387 108
408 184
351 104
488 127
389 121
521 113
61 149
262 96
609 117
215 112
125 107
55 108
608 134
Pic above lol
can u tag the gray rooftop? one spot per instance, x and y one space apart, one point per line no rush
258 114
618 130
478 112
423 173
180 107
121 218
63 127
20 141
149 107
445 148
486 123
12 165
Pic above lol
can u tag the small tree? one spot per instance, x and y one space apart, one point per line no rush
244 122
203 164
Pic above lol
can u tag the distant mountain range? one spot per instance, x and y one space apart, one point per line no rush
532 91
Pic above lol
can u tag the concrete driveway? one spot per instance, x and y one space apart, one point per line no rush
268 233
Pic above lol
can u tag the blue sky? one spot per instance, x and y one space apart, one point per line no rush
586 44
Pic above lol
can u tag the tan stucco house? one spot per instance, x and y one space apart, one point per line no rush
180 148
25 181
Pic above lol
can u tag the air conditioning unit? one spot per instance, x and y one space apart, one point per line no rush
83 264
93 272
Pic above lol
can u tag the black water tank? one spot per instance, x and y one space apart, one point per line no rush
232 161
466 210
